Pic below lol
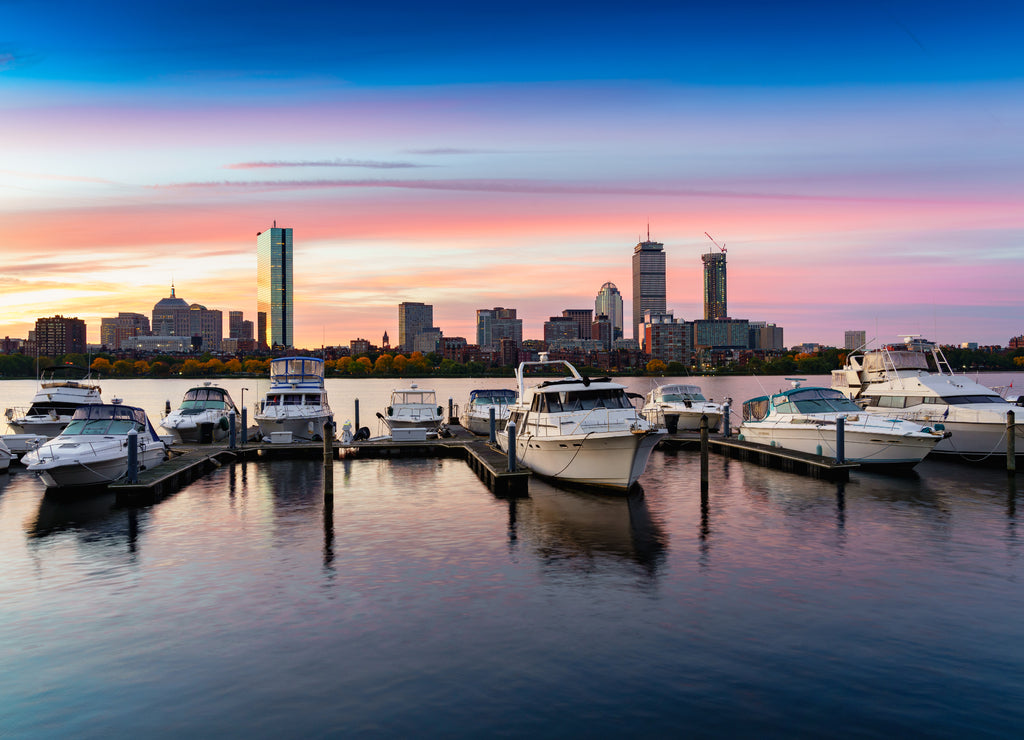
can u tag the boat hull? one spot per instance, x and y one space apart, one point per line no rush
482 424
92 468
190 430
47 426
868 448
306 427
613 460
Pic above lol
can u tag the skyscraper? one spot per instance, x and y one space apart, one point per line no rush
609 303
274 306
412 319
648 282
495 324
714 285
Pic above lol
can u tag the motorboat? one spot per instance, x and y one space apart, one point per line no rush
19 444
579 430
680 407
476 415
914 381
62 389
297 400
413 408
5 456
203 416
806 419
93 448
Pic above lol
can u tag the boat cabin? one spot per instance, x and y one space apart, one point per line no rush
109 419
198 400
799 401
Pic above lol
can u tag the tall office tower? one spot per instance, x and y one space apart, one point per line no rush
274 304
495 324
235 319
714 285
609 303
584 318
124 326
58 335
854 339
648 282
412 319
208 324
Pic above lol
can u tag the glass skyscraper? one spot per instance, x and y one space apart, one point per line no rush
648 282
609 303
714 286
274 287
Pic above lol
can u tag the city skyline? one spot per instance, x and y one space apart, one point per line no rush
861 162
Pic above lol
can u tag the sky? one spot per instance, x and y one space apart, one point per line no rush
861 162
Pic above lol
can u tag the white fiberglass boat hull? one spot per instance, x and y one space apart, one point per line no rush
479 423
686 420
870 445
188 429
606 459
48 426
304 425
88 461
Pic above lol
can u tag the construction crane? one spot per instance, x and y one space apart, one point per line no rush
721 247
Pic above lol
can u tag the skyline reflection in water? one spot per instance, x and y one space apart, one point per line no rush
420 603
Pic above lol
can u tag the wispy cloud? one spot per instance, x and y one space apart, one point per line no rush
367 164
453 150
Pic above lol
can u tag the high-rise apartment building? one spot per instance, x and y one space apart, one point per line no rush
714 285
609 303
666 338
207 324
584 318
274 284
114 331
854 339
58 335
495 324
648 282
413 318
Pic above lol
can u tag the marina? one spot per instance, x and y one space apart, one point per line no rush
417 595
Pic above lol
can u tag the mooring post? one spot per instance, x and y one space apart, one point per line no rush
841 439
245 427
1011 443
357 414
494 426
328 459
133 456
450 406
510 428
726 432
231 430
704 452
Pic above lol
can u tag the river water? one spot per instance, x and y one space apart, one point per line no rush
420 604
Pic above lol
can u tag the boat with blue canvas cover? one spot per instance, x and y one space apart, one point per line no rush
476 415
297 400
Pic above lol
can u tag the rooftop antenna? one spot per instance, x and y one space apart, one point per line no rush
720 246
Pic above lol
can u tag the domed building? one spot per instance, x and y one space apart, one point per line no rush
171 317
609 303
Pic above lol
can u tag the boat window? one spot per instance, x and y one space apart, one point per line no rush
965 400
755 409
293 399
784 406
913 401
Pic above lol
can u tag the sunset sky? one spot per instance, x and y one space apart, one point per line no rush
863 162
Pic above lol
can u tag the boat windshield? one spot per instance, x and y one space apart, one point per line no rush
497 397
402 398
292 399
106 420
600 398
814 401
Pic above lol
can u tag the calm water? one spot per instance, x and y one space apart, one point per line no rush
422 605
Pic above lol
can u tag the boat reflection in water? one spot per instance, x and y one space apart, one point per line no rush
585 527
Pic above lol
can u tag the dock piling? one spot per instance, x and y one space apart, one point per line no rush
510 428
704 452
451 404
726 431
328 459
494 426
245 427
231 431
1011 443
133 456
841 439
357 414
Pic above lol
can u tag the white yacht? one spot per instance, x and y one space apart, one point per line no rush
93 448
680 407
805 420
203 416
5 456
476 415
579 430
413 408
296 401
62 389
914 381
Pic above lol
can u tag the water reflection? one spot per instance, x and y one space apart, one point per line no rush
94 520
567 526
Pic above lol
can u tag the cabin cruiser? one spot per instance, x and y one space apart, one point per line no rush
296 401
93 448
203 416
915 382
476 416
680 407
579 430
413 408
5 456
62 389
806 420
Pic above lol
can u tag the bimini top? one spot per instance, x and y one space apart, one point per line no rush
297 371
109 418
